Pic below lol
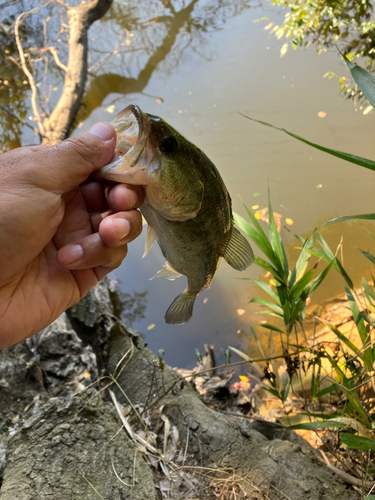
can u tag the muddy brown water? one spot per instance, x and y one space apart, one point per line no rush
201 93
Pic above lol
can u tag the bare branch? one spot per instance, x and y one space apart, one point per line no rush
60 2
53 51
80 19
11 113
34 91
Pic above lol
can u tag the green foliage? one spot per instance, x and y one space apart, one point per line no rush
293 287
322 23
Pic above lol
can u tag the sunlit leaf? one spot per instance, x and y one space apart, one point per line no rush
284 49
364 80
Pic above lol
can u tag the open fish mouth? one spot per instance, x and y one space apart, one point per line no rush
132 133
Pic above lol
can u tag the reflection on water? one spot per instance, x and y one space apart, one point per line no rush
130 307
197 64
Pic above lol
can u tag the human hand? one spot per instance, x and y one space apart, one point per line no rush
59 235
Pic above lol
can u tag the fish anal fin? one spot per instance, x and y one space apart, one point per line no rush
238 252
181 309
150 238
167 272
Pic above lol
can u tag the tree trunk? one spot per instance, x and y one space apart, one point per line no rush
57 126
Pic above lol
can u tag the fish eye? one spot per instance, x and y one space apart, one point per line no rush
168 144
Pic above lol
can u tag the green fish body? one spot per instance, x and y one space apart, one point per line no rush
187 206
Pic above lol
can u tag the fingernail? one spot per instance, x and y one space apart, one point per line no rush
70 254
122 228
103 130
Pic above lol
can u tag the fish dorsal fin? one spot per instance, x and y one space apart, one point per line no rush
167 272
150 238
238 252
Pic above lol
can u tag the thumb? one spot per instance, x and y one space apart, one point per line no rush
63 167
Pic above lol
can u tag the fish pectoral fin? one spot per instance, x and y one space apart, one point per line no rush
181 309
150 238
238 252
167 272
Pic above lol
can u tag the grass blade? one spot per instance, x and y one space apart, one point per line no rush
301 283
257 235
357 160
274 307
276 242
267 289
357 442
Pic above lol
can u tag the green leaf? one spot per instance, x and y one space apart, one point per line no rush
270 327
258 236
276 242
358 442
274 307
328 255
270 313
357 316
285 389
268 267
343 339
357 160
351 395
369 291
349 217
313 285
368 256
267 289
299 287
327 390
364 80
302 261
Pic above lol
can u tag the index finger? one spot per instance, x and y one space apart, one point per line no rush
124 197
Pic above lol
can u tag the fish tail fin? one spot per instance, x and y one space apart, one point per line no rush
181 309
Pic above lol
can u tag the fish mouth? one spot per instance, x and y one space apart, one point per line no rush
132 130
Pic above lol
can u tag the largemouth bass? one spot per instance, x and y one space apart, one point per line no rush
187 206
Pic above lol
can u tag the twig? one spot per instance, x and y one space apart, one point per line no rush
347 478
34 90
250 417
59 64
9 112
